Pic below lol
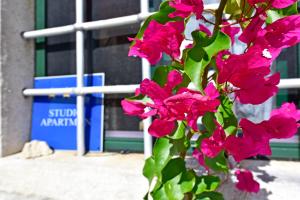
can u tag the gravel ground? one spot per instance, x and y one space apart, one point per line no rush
111 176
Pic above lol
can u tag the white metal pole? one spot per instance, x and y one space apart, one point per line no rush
80 75
146 74
109 89
94 25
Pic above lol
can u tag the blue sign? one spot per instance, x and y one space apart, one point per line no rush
54 119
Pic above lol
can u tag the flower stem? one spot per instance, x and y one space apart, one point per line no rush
219 15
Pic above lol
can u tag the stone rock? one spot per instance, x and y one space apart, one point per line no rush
36 149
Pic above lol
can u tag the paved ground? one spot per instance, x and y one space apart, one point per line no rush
111 176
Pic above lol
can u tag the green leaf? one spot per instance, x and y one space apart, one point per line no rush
208 122
149 169
140 98
161 153
188 181
160 194
275 14
207 183
162 16
226 117
173 189
180 131
154 164
210 196
161 74
218 163
236 7
180 145
186 81
201 54
173 168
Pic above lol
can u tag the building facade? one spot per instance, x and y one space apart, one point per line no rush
105 51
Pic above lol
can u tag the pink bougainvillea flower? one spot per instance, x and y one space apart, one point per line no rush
282 3
133 108
231 31
185 8
152 52
211 91
161 127
246 181
203 104
279 126
158 39
251 32
200 158
254 141
256 137
265 88
253 2
246 70
288 110
284 32
190 105
275 3
283 121
213 145
253 67
164 122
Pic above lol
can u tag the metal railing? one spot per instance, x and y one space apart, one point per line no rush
79 27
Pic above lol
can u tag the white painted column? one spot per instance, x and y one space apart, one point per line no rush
80 75
146 74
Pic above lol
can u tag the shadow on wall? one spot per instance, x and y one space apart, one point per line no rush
228 188
231 193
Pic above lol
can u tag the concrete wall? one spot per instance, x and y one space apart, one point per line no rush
16 73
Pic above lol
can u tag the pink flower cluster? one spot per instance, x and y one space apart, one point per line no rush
246 181
184 8
274 3
167 107
255 139
158 39
247 75
253 67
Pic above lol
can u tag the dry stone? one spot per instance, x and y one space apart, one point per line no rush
36 149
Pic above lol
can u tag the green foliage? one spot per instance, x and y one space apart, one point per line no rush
161 153
148 170
171 190
226 117
161 74
167 173
210 196
218 163
173 168
188 181
207 184
208 122
162 16
275 14
199 57
236 7
180 131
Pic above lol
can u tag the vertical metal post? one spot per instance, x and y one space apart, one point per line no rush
80 74
146 74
